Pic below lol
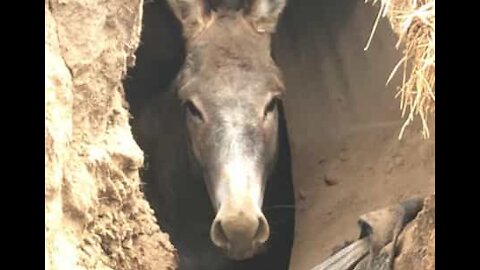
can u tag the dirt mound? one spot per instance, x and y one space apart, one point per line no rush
418 241
96 216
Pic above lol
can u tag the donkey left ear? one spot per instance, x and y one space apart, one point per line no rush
264 14
193 14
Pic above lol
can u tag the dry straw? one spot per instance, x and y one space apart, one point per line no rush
414 23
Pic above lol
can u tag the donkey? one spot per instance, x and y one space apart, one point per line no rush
228 94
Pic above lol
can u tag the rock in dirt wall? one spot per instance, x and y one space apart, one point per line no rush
96 216
417 243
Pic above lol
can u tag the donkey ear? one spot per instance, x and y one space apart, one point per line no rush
193 14
264 14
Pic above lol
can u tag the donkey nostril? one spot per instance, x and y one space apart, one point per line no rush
218 235
263 231
239 233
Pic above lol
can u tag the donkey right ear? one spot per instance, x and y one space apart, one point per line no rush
193 14
264 14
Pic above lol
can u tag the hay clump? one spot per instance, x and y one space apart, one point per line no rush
414 23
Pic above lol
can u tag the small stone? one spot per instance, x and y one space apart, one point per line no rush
302 194
389 168
329 181
321 160
398 161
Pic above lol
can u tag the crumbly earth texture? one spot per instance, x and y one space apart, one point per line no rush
96 216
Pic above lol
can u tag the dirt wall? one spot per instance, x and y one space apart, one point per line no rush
417 242
96 216
344 123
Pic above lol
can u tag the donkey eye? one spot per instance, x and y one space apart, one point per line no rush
271 106
193 110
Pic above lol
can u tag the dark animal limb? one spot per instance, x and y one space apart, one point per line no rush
379 231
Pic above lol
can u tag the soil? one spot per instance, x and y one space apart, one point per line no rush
96 216
343 124
417 242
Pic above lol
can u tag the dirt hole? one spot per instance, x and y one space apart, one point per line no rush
179 197
343 124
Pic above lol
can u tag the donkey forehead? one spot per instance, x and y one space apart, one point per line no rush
228 73
231 28
230 63
236 90
230 52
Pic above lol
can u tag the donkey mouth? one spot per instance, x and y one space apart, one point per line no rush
240 253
